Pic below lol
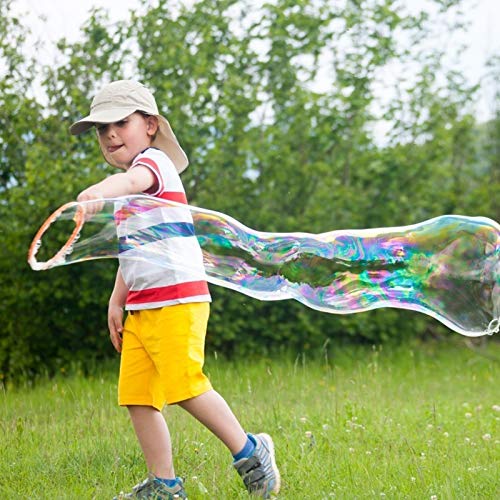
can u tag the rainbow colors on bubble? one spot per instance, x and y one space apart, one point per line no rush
447 267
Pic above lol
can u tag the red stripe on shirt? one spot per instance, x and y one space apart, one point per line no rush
177 196
170 292
146 161
157 186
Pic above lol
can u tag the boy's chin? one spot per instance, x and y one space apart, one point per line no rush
115 163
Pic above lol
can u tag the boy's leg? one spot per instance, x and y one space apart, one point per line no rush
154 438
213 412
253 454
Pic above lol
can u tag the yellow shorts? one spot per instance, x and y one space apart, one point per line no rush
163 354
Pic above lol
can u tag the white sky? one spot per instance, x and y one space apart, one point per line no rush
54 19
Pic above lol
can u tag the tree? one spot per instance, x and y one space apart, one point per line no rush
269 143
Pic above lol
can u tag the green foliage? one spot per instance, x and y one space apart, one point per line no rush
268 144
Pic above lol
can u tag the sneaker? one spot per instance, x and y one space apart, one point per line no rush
153 489
259 471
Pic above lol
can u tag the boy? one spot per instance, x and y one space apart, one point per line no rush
162 340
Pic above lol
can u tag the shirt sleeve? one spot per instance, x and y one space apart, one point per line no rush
146 161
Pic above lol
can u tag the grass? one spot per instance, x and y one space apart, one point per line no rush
419 422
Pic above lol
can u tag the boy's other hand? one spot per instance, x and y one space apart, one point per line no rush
87 195
115 325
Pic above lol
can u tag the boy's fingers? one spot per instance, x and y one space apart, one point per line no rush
115 325
90 209
116 341
115 330
118 328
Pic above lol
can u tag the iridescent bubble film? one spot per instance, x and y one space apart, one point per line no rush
447 267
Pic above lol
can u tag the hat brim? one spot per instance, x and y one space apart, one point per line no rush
167 142
108 116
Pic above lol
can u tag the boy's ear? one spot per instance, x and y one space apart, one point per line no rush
152 124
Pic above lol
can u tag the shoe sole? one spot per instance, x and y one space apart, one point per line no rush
270 444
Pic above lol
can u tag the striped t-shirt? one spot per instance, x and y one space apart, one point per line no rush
160 258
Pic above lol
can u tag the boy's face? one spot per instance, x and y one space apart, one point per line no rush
122 141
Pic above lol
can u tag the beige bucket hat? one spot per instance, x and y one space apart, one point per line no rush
119 99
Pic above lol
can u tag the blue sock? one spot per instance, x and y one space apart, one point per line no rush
169 483
247 450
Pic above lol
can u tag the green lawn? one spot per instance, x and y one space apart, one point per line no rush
419 422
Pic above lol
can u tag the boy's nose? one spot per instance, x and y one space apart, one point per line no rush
111 131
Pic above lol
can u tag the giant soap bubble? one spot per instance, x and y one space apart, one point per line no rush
447 267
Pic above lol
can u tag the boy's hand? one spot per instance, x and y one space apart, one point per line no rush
115 325
90 194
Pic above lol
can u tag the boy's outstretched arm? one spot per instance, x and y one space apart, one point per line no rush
115 311
136 180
